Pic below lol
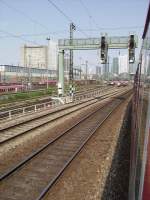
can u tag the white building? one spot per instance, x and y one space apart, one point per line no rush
123 64
41 57
52 55
34 56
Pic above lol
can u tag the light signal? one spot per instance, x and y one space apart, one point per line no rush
131 49
104 50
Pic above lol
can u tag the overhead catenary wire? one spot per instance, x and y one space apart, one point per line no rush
24 14
64 31
115 28
33 35
89 14
17 36
31 20
103 28
66 16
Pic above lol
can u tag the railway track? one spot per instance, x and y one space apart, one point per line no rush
92 89
33 177
29 102
9 115
24 127
9 106
20 104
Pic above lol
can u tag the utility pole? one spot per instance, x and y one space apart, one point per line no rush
48 39
72 28
26 74
86 70
108 68
80 66
67 66
80 72
29 72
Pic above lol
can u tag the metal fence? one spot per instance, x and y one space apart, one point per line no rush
15 113
29 109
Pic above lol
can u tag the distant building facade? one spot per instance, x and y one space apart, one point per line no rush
98 70
133 67
123 64
115 66
41 57
19 74
76 70
105 68
34 56
52 55
66 66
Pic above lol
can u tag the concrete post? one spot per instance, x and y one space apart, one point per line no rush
61 69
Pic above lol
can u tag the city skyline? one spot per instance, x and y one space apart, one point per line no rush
19 22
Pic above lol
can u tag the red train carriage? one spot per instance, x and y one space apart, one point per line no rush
11 88
139 187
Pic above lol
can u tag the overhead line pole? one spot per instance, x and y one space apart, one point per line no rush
86 70
71 78
72 28
48 39
65 15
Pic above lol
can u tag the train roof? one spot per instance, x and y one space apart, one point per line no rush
11 86
146 23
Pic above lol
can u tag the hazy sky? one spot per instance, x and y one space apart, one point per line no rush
37 19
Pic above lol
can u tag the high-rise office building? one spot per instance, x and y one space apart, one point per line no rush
115 66
98 70
123 64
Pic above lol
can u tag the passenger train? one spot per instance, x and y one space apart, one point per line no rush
11 88
139 186
15 87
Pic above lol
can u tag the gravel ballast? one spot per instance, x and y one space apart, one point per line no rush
93 175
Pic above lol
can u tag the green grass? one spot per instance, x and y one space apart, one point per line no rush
19 96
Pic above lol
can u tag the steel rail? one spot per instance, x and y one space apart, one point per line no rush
46 122
22 109
48 100
59 109
28 158
28 102
38 117
53 181
71 106
91 90
114 104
